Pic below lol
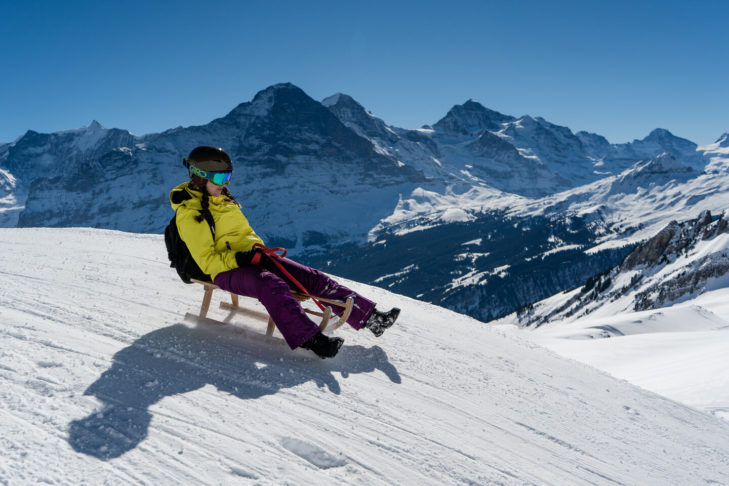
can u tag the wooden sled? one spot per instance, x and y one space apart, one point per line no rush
327 322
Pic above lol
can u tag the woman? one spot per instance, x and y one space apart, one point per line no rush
232 262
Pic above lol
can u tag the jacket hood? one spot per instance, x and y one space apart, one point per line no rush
184 195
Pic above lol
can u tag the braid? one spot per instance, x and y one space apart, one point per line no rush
205 205
227 193
197 183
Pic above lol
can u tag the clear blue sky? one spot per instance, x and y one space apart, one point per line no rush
619 69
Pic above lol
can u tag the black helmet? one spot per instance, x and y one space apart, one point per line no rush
209 159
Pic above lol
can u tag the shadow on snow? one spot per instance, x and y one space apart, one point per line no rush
179 359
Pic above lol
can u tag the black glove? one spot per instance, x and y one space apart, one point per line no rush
245 257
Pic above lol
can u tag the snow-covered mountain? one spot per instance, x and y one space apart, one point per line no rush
104 383
488 253
525 209
480 211
80 156
295 162
680 262
659 319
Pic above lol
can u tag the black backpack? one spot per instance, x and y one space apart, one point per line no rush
179 255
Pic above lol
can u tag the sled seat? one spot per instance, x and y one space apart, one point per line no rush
327 323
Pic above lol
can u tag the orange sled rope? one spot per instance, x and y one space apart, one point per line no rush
273 253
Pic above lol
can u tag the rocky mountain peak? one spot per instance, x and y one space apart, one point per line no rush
665 163
284 110
356 117
659 134
660 141
664 138
342 104
471 118
279 90
340 99
263 103
595 145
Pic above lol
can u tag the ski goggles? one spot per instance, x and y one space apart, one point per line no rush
217 178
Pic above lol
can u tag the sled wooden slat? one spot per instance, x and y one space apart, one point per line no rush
243 310
234 306
247 333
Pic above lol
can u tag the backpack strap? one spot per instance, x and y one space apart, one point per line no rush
211 222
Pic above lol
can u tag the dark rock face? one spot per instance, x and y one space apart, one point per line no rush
471 118
673 240
692 280
652 250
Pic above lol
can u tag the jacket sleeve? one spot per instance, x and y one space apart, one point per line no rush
199 240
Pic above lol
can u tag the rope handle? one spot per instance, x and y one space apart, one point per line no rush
275 254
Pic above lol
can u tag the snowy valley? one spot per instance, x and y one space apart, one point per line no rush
104 383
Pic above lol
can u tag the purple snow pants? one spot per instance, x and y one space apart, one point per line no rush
271 287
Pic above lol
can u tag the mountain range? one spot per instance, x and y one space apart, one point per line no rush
480 212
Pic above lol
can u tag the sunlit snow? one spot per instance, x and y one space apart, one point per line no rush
103 382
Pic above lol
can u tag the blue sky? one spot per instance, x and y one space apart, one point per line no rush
619 69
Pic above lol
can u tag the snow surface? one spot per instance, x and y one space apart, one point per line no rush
678 351
104 383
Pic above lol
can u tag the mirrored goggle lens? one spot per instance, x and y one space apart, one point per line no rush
220 178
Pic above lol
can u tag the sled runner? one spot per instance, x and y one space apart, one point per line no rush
329 321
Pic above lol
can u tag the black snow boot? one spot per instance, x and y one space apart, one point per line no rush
323 345
378 321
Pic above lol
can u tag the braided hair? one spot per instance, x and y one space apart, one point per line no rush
199 184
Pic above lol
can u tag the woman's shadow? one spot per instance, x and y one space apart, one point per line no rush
179 359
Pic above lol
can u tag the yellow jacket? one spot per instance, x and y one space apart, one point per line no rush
233 233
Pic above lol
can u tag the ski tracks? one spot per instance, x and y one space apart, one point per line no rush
102 383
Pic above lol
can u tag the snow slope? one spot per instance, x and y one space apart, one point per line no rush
678 351
103 383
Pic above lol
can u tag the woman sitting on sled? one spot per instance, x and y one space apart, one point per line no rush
234 260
